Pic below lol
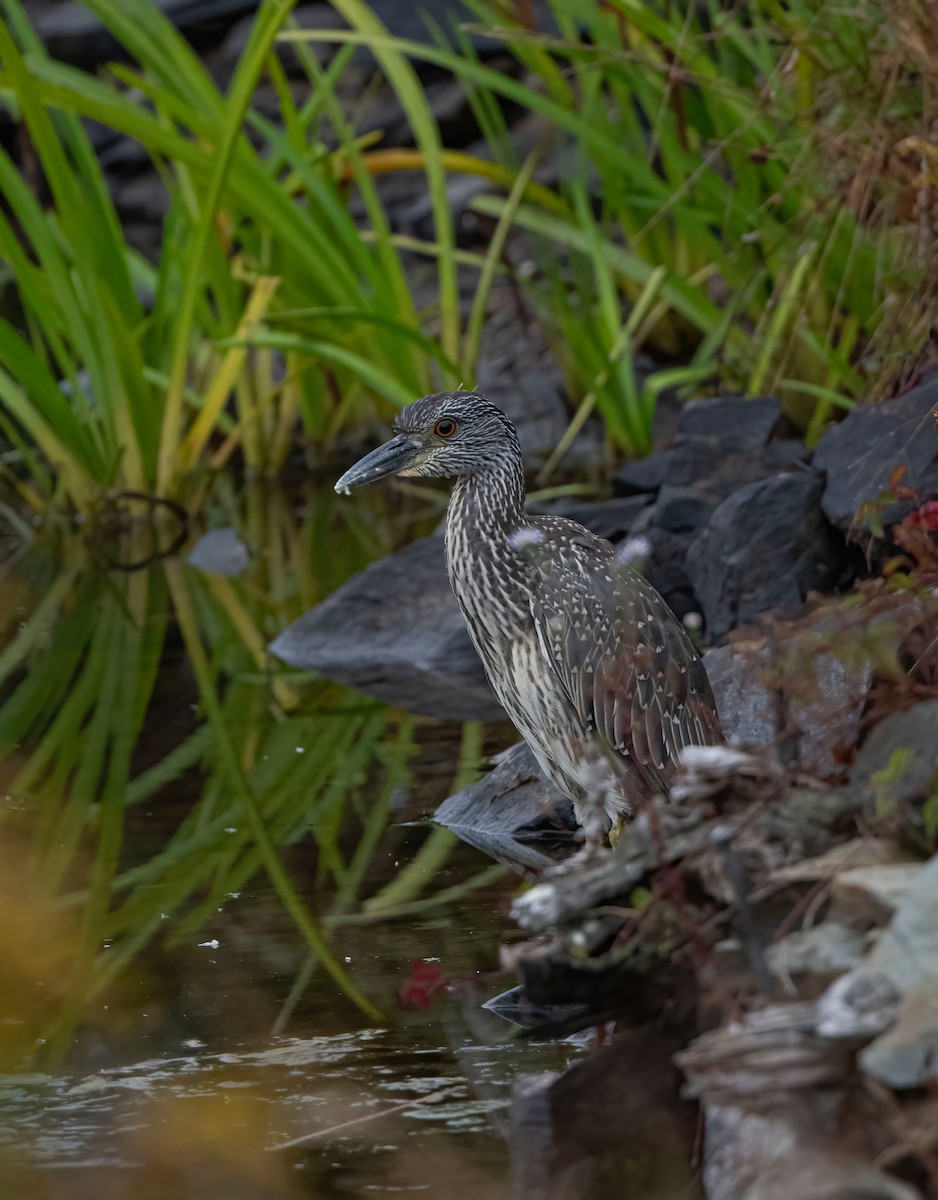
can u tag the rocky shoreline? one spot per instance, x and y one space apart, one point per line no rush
764 941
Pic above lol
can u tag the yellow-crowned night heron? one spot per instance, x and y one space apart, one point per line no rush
589 662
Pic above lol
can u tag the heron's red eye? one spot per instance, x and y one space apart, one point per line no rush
445 428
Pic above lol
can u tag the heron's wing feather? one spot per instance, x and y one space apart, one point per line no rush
623 658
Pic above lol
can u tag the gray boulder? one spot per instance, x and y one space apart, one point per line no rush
807 699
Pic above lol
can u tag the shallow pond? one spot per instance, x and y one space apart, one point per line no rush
218 889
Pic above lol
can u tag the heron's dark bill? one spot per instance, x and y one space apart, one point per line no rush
393 457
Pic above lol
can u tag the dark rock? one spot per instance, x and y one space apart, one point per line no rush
748 708
531 1136
859 455
787 453
72 33
762 550
664 565
679 510
142 199
224 57
721 445
643 475
396 632
513 814
380 111
736 422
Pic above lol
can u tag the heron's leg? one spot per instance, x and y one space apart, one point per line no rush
590 853
591 838
619 823
593 820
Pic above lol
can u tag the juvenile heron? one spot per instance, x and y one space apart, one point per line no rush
590 664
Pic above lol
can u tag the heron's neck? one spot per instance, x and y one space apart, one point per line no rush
488 505
485 509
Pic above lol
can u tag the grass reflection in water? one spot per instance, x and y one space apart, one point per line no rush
156 763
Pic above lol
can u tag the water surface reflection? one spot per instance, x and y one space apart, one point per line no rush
214 884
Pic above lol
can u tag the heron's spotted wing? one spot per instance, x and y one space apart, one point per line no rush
623 658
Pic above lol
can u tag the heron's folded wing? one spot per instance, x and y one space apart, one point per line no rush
624 660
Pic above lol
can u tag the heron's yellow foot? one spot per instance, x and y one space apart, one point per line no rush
617 829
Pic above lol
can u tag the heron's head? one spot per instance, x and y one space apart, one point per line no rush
449 434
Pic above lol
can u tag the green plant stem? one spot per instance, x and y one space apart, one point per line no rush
267 851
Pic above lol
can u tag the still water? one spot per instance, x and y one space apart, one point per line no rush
217 886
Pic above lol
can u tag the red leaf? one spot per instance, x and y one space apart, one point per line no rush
421 985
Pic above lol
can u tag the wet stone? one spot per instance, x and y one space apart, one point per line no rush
610 519
724 443
614 1117
72 32
737 422
513 815
679 510
664 566
219 552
